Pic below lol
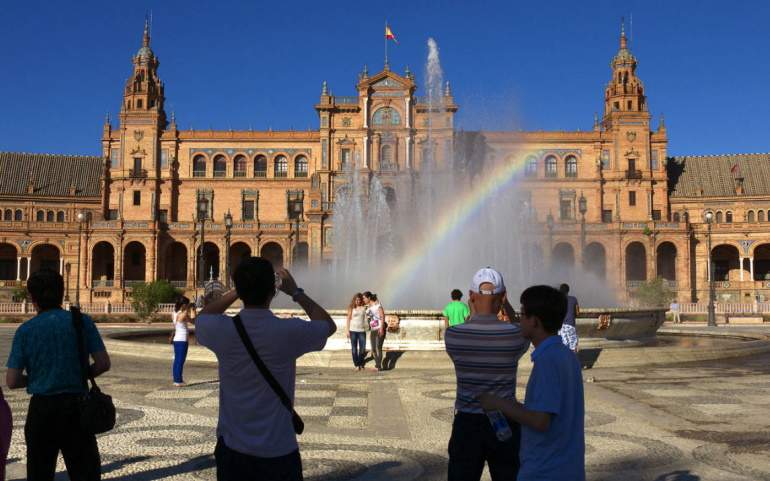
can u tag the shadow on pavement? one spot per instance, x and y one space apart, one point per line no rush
588 357
390 360
678 476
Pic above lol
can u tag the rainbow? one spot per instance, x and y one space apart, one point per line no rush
450 221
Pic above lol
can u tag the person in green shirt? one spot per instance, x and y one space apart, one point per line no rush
456 312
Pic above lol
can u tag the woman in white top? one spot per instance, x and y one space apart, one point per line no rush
377 324
356 330
181 317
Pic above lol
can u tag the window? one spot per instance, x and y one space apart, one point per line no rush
281 165
163 216
115 157
605 159
49 216
570 166
40 216
260 166
300 166
112 214
8 214
137 165
248 209
386 116
60 216
729 217
607 216
386 158
164 159
295 200
654 160
750 216
18 215
239 166
630 105
761 216
550 166
719 217
632 198
137 197
139 103
565 209
632 165
345 159
199 166
531 166
676 217
616 106
220 166
656 215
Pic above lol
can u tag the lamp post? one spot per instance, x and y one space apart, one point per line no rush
81 217
228 226
67 268
583 208
712 318
202 204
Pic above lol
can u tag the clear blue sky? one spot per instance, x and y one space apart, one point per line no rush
512 64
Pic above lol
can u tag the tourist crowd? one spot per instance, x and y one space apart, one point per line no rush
55 354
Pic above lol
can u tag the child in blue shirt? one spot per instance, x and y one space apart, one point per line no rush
551 418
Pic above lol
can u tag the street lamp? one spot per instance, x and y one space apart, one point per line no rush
228 226
67 268
202 208
712 318
81 217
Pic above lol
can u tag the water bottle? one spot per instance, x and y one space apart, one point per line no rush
500 425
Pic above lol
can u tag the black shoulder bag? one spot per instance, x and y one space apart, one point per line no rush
97 412
299 425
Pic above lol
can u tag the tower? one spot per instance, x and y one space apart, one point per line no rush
624 95
136 179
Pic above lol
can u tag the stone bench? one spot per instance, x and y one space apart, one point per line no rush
743 319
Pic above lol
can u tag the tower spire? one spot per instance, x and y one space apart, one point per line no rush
146 35
623 39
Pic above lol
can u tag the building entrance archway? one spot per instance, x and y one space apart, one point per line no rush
273 252
636 262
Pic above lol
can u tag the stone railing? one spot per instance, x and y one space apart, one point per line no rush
726 308
345 100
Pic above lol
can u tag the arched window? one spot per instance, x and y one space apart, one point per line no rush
260 166
386 116
199 166
386 158
60 216
729 217
281 166
220 166
761 216
18 215
550 166
531 167
300 166
8 214
49 216
676 217
719 217
570 166
40 216
750 216
239 166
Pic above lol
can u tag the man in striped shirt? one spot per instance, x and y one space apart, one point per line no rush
485 353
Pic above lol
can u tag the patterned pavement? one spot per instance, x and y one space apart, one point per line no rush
690 422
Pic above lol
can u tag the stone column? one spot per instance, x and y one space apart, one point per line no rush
740 273
366 151
409 152
18 268
751 267
61 265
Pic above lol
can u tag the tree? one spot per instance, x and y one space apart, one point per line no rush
146 297
19 294
654 293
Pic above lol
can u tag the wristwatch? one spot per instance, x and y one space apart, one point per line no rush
299 291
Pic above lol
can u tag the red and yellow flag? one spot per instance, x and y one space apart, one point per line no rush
389 34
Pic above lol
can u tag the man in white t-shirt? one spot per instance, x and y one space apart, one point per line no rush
255 434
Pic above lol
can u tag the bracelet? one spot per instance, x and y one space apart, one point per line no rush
296 293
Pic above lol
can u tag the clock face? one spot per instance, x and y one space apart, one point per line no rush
631 136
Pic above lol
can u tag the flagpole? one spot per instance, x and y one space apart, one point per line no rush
386 44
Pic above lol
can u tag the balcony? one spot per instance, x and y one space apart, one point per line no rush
199 173
281 174
300 174
260 173
220 173
633 174
132 283
137 173
239 173
178 284
103 283
346 100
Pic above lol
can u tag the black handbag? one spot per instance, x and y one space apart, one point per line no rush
97 412
296 421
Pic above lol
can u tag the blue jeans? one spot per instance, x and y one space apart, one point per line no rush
358 346
180 354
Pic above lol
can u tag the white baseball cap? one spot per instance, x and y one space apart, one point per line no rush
487 275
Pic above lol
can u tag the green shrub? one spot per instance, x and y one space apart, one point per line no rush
146 297
654 293
19 293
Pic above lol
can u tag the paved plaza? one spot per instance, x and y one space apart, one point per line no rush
688 422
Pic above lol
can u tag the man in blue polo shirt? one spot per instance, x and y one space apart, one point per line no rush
551 418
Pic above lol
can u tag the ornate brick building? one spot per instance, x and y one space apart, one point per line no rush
183 205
